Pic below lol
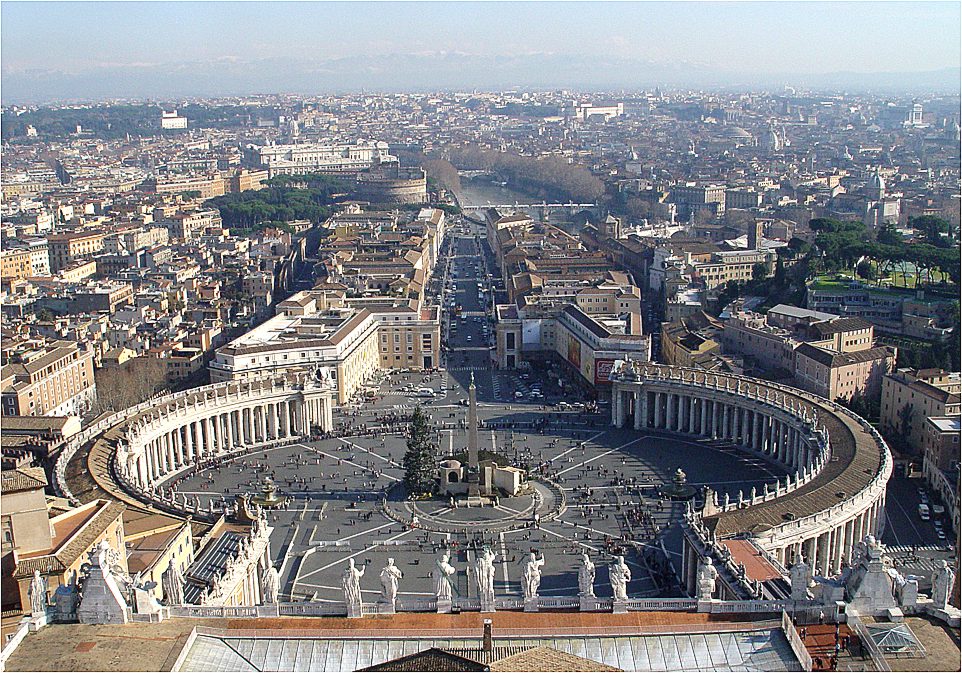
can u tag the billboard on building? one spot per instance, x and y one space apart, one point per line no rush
603 369
574 352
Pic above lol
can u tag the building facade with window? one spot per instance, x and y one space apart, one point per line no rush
57 380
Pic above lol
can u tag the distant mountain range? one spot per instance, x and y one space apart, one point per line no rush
432 72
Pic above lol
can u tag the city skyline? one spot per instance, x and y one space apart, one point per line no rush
244 48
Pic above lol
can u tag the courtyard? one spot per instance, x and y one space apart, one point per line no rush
594 489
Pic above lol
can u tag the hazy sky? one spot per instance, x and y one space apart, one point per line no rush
804 37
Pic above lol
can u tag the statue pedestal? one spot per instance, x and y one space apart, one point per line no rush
587 603
35 622
444 607
531 604
385 608
619 607
948 614
267 610
354 611
704 605
486 606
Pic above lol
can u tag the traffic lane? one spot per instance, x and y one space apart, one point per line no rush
903 523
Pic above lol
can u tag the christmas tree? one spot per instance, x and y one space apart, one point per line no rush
420 460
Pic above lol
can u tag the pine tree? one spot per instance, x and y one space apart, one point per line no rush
420 461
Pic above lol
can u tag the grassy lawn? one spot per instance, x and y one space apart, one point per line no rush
892 283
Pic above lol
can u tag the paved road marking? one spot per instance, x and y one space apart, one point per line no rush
575 448
347 558
344 460
918 533
376 455
568 539
602 455
351 537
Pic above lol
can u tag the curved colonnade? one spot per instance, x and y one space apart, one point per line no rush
839 465
834 495
158 439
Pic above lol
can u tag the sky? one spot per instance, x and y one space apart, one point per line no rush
80 38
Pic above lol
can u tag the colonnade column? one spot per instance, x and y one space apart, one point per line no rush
190 441
142 472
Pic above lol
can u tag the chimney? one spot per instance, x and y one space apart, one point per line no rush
487 644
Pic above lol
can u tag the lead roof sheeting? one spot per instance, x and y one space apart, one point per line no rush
757 650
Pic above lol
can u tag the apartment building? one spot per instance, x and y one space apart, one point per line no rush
692 197
69 247
341 343
841 375
940 463
57 380
132 240
189 226
306 158
588 344
172 120
910 396
15 264
735 265
155 542
827 355
244 180
408 332
207 186
892 311
693 341
742 198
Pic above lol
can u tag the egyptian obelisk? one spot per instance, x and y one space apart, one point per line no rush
474 489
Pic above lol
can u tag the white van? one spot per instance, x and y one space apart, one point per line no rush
425 392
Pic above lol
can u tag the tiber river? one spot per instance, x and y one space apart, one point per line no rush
481 192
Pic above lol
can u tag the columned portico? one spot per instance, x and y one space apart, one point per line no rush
772 421
199 424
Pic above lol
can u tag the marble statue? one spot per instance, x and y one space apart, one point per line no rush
442 577
707 578
390 575
943 579
173 585
38 595
532 576
801 576
586 577
351 582
485 575
619 575
270 584
65 602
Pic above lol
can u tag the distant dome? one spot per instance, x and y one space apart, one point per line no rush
736 132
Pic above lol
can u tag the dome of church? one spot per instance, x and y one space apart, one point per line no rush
736 132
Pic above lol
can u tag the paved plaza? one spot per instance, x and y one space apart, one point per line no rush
344 501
